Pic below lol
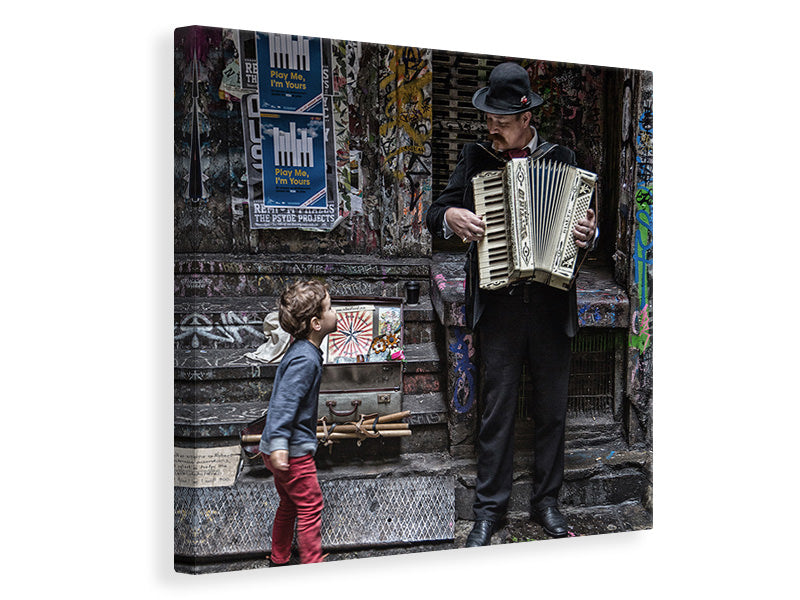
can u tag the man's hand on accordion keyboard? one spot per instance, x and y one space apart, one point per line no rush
465 224
585 229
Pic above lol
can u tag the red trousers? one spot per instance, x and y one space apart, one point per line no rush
301 500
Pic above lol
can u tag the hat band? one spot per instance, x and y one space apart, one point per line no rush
504 104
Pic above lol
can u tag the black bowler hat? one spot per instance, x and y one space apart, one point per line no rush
508 93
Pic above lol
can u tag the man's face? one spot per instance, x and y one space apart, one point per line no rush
508 132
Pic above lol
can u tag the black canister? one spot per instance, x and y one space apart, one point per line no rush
412 292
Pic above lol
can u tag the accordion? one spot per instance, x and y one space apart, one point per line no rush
530 209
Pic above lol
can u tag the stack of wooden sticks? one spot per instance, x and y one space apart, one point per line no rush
367 426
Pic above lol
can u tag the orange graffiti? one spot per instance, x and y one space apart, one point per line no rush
406 104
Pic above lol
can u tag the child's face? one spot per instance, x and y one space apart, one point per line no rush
328 318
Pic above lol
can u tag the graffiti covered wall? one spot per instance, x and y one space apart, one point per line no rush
380 100
406 92
635 250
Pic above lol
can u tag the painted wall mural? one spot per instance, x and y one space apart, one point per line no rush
406 123
572 108
640 342
378 173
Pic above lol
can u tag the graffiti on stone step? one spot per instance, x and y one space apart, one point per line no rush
426 419
199 330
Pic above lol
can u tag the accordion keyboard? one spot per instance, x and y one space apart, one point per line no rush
493 249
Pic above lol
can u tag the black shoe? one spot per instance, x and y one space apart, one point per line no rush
481 534
551 520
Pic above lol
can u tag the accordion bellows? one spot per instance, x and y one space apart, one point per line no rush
530 207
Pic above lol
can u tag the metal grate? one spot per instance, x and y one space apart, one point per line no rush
592 375
212 522
456 76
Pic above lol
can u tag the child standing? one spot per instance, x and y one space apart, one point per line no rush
289 440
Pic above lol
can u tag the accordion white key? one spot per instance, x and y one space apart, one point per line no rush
530 207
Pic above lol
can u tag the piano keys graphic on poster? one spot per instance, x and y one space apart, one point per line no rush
293 153
292 123
289 73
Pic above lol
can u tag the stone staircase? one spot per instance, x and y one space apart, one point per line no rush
382 496
220 306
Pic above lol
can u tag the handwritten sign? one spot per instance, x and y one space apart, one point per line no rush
206 467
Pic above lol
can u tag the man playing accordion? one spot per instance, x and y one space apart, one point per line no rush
526 321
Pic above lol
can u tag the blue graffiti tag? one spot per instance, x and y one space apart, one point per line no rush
588 314
464 384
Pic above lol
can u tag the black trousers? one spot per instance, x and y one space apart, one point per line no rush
513 329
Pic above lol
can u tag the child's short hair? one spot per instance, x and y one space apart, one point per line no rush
299 303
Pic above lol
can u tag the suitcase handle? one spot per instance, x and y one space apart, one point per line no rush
331 403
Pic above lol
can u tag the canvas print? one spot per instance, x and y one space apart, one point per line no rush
413 299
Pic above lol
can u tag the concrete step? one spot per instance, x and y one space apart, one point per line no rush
581 431
361 508
583 521
238 322
593 476
373 507
226 419
589 432
347 275
422 369
601 301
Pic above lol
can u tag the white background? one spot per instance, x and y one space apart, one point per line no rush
87 298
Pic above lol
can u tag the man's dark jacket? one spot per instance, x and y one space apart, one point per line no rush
476 158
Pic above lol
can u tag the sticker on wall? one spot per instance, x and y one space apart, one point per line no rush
388 320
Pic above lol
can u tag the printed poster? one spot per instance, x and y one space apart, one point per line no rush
365 333
353 337
290 73
296 146
287 120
